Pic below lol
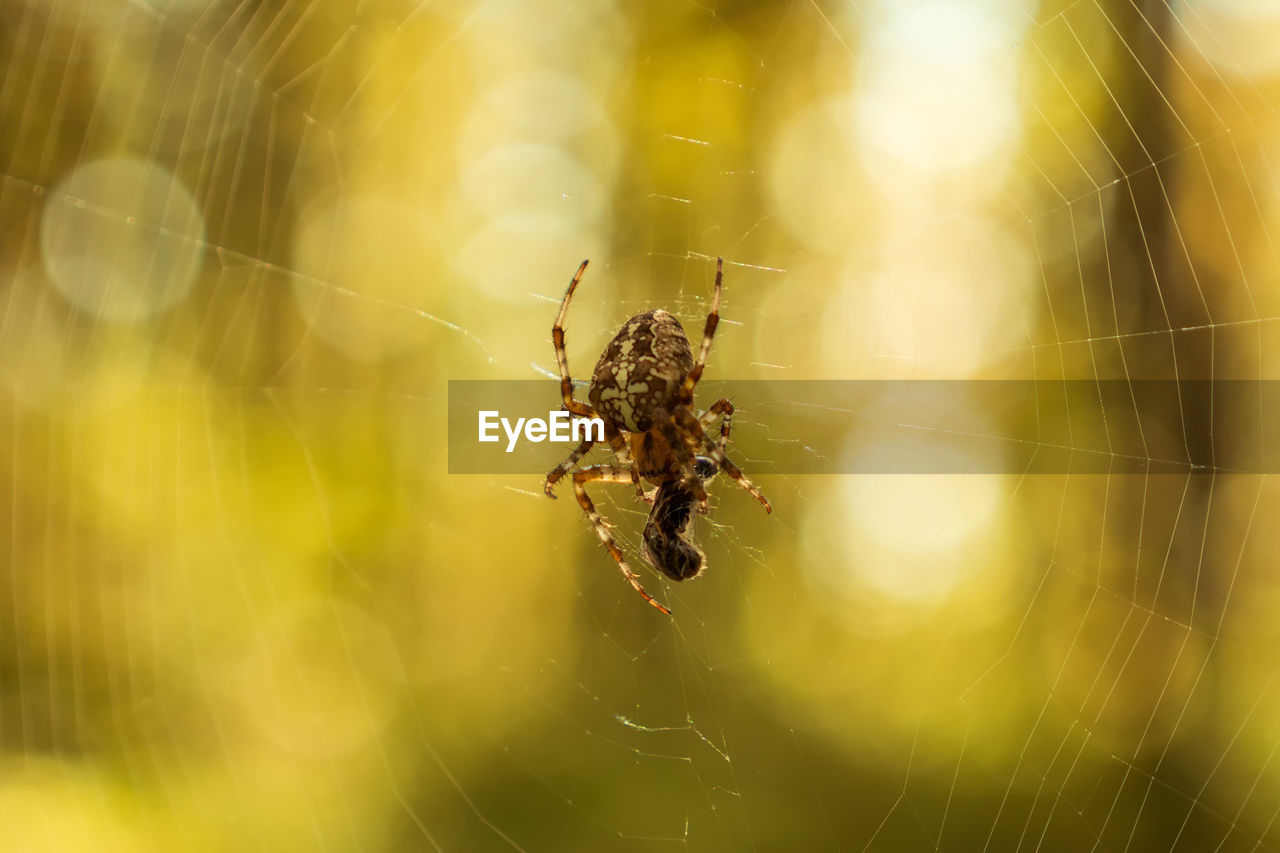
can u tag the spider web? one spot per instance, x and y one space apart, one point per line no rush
246 244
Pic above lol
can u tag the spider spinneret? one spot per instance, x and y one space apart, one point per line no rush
642 388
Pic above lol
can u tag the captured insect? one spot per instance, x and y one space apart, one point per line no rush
642 389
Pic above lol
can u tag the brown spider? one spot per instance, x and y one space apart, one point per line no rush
642 389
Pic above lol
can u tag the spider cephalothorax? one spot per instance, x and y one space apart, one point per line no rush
642 389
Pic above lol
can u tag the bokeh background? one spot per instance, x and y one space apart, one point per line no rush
244 245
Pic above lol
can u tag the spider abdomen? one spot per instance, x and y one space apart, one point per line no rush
641 371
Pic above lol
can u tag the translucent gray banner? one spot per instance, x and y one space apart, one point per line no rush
919 427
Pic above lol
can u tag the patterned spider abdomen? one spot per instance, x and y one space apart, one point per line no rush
641 371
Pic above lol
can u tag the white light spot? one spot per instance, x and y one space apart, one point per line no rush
538 106
1236 37
510 256
899 548
938 93
535 180
948 294
908 532
122 239
815 178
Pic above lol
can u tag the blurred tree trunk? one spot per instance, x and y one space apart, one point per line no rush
1153 273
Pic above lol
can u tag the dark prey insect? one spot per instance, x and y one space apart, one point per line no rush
668 533
642 389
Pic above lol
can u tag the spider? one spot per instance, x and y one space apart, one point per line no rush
642 389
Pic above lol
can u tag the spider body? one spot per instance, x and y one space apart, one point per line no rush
642 388
653 459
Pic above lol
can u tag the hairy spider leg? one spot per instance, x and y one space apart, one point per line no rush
622 450
713 319
609 474
687 420
682 448
563 468
719 407
562 358
616 441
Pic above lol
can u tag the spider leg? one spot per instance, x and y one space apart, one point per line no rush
609 474
719 407
562 358
708 333
647 497
618 442
686 419
682 448
563 468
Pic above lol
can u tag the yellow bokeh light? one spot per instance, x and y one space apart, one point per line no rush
510 257
57 806
937 96
1237 37
816 180
123 239
369 264
532 179
947 295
